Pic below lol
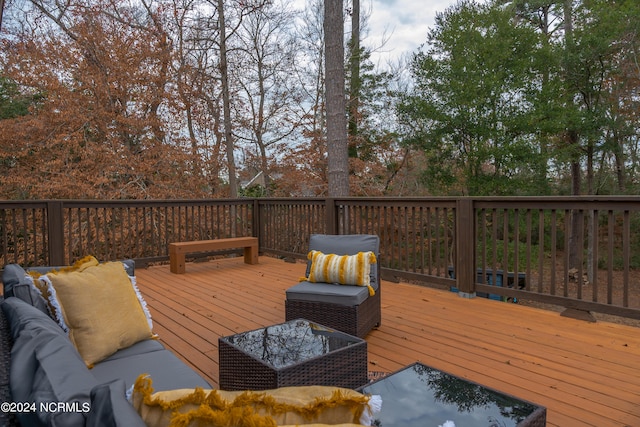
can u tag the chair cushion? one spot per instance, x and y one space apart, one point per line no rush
344 244
328 293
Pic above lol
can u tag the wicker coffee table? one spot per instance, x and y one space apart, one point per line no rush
418 396
294 353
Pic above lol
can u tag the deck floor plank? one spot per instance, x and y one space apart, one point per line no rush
586 374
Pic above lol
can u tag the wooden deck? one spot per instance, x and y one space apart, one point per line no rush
586 374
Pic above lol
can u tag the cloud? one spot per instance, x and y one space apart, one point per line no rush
397 27
405 24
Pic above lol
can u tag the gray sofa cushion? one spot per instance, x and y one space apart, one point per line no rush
16 284
328 293
110 408
168 372
12 274
140 347
45 367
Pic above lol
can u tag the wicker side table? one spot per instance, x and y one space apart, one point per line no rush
294 353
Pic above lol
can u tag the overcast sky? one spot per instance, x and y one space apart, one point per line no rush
405 23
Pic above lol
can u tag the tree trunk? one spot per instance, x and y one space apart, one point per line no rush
573 140
337 150
354 86
1 12
618 153
226 101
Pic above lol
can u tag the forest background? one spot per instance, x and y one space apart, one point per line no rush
152 99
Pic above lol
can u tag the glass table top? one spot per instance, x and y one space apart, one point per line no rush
422 396
291 342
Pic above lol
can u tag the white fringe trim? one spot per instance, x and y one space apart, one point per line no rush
33 286
142 302
53 300
373 407
129 394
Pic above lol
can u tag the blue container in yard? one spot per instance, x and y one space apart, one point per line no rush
499 281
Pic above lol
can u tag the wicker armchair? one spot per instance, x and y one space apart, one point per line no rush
349 309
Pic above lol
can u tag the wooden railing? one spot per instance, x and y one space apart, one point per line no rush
578 252
61 231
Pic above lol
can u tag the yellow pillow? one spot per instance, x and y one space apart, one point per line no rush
99 308
342 269
268 408
79 265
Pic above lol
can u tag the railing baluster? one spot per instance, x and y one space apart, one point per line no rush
626 256
528 252
610 241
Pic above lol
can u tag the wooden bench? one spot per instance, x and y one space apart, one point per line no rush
179 250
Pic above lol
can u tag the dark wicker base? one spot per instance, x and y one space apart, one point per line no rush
346 367
6 418
355 320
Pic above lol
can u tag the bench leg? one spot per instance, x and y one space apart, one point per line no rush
177 263
251 254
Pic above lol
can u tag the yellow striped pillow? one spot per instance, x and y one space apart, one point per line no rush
342 269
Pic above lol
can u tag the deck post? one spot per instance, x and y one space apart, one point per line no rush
331 221
465 267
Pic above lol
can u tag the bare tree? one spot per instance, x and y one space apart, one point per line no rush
197 105
267 53
226 102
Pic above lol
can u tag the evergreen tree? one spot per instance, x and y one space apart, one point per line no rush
474 100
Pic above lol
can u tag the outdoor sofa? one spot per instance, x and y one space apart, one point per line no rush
46 367
45 362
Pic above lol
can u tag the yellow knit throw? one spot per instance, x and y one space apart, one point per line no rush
241 409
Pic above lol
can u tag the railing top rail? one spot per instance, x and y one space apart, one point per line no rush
19 204
74 203
578 202
617 198
299 201
556 198
391 202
